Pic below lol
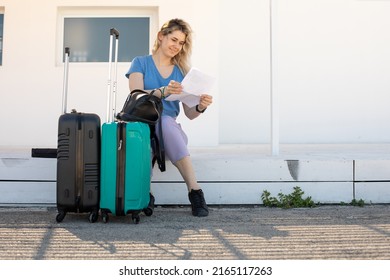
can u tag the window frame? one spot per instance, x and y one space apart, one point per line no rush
103 12
2 37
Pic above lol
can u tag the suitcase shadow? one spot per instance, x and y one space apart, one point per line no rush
170 233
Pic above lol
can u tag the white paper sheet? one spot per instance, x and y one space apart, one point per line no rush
194 84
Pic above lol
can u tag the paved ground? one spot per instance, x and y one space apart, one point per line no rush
229 233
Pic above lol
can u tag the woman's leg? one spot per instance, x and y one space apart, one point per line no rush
195 193
175 142
186 170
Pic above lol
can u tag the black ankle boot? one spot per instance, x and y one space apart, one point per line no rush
198 203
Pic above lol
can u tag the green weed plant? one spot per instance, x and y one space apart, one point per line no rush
292 200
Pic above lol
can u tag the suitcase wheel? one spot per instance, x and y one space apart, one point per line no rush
60 216
93 216
104 217
135 217
148 211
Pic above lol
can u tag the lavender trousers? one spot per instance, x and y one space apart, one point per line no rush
175 139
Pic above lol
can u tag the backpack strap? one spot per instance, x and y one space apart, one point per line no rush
158 149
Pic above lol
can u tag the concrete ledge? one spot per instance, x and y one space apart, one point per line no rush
231 174
372 170
374 192
28 192
241 193
209 169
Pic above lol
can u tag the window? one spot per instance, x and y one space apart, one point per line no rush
1 38
86 29
88 37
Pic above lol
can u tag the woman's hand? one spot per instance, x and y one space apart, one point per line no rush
205 101
173 88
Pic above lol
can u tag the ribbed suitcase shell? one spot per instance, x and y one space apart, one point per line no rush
78 164
125 169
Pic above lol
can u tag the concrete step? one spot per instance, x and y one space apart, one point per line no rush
230 174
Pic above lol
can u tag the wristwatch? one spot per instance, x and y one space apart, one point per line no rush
199 111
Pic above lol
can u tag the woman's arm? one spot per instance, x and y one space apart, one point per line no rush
136 81
192 113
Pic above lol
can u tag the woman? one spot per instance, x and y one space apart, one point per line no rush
164 70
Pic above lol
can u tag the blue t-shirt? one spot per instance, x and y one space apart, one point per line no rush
153 80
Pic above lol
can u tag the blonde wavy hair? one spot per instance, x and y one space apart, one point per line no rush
182 59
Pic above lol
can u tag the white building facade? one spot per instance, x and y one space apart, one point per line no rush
305 72
328 63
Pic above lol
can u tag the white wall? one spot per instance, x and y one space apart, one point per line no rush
333 68
332 71
31 74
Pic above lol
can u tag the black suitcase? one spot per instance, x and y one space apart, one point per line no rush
78 160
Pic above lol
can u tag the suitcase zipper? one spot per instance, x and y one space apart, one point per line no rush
79 162
121 167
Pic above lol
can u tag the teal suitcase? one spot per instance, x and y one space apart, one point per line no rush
125 174
125 169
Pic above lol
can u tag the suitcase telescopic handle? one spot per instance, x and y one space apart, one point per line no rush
111 94
115 32
65 86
